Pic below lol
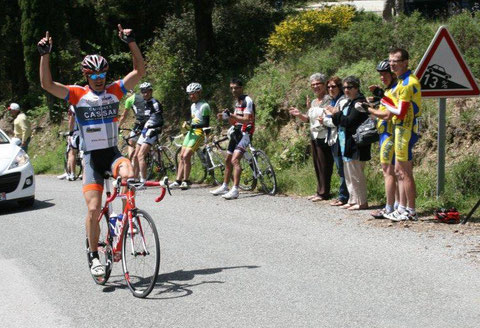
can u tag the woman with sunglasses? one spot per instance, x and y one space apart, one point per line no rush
96 113
348 119
319 133
337 99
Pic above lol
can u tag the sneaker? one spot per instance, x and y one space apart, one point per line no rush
63 176
396 216
232 194
174 185
184 185
411 217
97 269
380 214
71 177
220 190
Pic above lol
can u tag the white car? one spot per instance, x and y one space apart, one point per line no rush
17 180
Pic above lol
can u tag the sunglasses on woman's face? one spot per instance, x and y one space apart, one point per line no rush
98 76
348 87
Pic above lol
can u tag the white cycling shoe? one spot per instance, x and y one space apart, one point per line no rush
232 194
97 268
220 190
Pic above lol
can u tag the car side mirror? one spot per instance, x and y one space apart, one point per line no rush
17 141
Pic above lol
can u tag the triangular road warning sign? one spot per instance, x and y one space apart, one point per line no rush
443 72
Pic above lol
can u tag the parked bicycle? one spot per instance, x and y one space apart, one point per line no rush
256 167
78 167
160 160
131 237
208 160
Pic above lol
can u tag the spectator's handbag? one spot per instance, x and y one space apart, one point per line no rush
367 133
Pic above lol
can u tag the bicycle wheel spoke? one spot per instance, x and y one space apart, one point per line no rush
141 254
247 178
266 174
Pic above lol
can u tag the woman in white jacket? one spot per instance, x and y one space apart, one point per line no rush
319 134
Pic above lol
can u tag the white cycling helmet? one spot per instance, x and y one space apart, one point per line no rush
145 86
194 87
94 63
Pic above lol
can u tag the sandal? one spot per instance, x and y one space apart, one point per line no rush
337 202
317 199
347 206
312 197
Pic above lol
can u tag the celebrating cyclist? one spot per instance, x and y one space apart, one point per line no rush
243 125
151 129
200 118
137 104
97 105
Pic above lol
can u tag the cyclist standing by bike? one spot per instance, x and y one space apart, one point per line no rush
73 144
97 107
243 124
151 129
200 112
137 104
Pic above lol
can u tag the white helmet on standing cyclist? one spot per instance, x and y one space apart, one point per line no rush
194 87
145 86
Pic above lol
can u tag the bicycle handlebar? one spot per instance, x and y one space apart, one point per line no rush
163 184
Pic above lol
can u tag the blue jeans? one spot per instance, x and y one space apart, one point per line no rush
342 191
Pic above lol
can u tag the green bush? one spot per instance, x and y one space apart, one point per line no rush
465 176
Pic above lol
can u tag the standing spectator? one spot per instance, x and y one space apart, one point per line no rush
21 125
405 105
385 130
348 119
319 133
337 99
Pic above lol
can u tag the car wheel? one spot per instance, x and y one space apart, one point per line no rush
27 202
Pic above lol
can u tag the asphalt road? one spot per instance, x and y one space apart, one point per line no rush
258 261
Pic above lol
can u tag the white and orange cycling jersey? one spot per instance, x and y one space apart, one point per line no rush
97 114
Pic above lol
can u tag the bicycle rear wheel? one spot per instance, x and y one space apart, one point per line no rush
217 170
105 253
248 181
266 174
168 165
140 254
78 165
198 171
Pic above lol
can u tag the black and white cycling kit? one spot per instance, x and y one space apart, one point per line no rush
242 133
152 127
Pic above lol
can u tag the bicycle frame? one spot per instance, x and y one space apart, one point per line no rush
128 213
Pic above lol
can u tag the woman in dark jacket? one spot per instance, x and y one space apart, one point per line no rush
348 119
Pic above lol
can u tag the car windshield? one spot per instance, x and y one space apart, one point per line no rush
3 138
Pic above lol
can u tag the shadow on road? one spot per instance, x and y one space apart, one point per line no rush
166 288
11 207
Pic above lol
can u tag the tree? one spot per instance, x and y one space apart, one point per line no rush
204 27
13 84
395 6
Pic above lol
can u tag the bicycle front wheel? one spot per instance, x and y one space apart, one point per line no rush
266 174
248 181
140 254
105 253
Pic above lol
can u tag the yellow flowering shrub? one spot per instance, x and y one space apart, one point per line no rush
309 27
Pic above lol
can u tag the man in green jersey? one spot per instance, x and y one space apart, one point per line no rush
200 113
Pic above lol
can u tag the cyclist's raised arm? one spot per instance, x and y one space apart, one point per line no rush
57 89
132 78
